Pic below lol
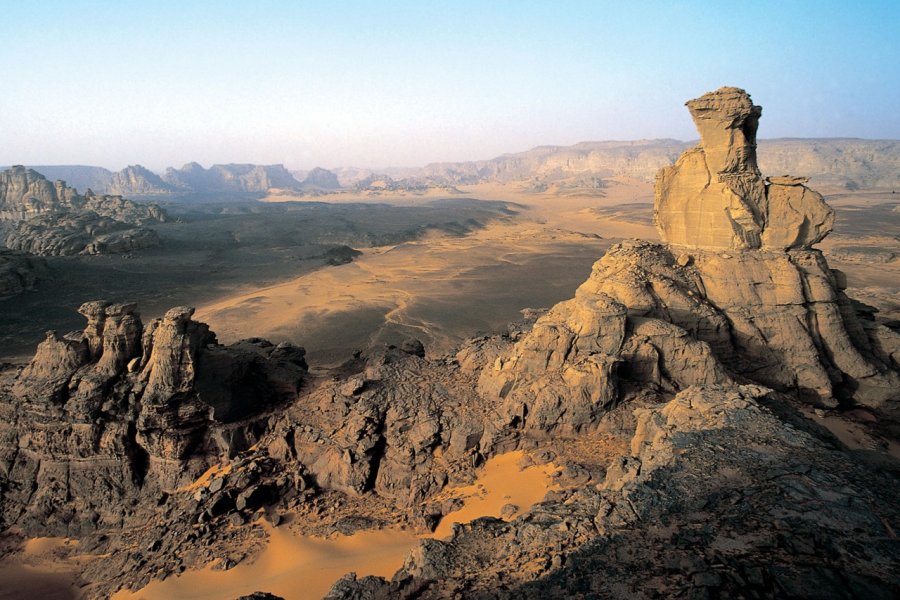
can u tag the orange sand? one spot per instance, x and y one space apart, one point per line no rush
501 482
38 572
300 567
207 476
292 566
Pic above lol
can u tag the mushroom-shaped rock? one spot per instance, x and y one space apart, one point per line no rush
714 196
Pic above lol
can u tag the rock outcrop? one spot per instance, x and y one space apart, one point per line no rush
322 179
65 234
666 391
46 219
798 216
229 178
715 497
715 197
737 295
118 412
135 180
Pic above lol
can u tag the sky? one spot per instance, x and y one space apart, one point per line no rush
405 83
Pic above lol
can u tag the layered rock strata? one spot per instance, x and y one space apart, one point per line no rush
714 196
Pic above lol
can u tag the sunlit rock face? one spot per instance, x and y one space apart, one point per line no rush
737 293
714 196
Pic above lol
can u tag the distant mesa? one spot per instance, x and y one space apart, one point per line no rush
136 180
192 178
321 179
229 178
847 162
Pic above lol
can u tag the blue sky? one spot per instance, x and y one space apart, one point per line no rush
405 83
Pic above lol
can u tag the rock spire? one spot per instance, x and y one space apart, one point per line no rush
714 196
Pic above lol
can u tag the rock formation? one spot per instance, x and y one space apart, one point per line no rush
737 294
135 180
120 409
715 197
714 496
46 219
229 178
322 179
65 234
840 161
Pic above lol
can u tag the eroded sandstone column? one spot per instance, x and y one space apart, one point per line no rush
714 196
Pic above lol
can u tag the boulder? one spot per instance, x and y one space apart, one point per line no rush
798 217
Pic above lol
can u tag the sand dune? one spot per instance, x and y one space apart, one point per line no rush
39 573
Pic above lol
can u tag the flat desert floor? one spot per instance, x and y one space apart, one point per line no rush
439 289
442 289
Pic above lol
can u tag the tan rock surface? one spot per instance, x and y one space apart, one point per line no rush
798 217
774 317
714 196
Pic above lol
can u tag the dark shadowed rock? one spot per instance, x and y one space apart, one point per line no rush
120 431
20 272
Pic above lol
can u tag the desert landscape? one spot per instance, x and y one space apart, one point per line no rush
639 367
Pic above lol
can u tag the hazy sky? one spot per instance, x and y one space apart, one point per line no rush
395 83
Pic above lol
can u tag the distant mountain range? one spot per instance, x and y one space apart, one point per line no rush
136 180
841 161
838 161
